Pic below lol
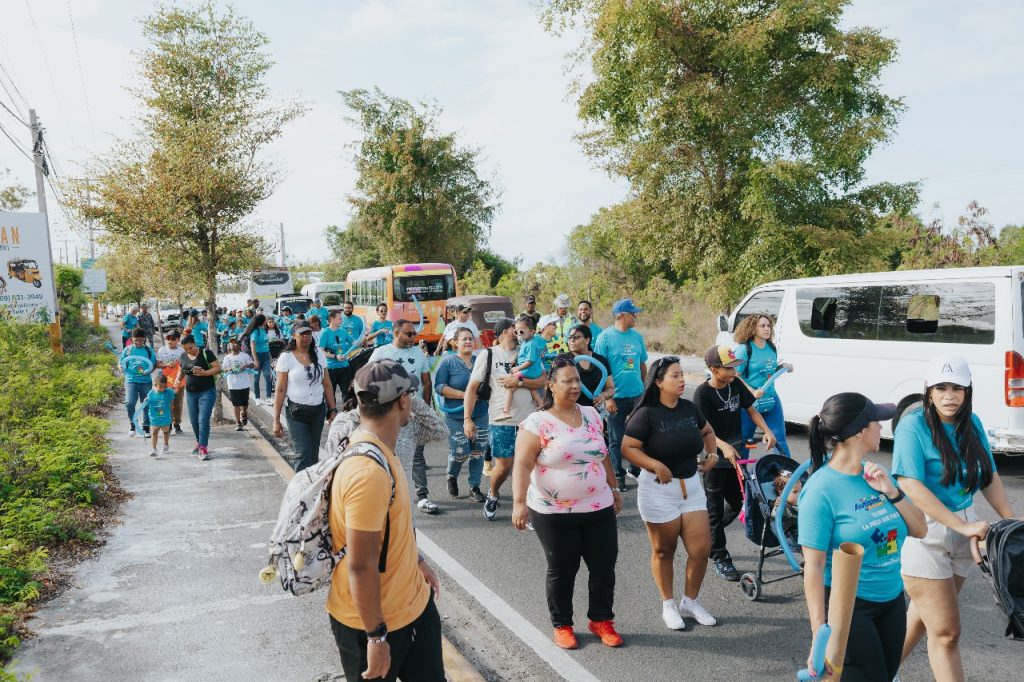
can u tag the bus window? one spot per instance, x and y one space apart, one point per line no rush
424 287
761 303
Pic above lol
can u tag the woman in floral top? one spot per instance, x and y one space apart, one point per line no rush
563 484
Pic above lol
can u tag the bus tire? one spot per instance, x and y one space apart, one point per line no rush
905 407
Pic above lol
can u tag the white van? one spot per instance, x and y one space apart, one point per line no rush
330 294
874 334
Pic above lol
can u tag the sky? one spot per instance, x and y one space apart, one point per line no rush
503 84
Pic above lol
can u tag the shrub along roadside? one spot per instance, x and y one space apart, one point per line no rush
52 452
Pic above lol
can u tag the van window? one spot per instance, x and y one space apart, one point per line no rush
761 303
947 312
424 287
838 312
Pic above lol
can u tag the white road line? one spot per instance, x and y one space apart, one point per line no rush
564 664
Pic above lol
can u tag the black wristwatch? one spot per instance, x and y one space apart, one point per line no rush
899 496
379 634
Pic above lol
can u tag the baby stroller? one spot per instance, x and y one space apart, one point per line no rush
757 477
1002 564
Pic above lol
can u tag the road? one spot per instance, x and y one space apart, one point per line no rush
767 639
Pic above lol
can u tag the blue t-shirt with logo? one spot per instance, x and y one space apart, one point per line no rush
160 406
533 351
837 508
336 341
626 353
763 363
130 322
135 372
914 455
259 340
353 324
385 338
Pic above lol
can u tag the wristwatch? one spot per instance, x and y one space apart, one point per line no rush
378 635
899 496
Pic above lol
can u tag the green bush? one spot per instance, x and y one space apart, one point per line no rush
52 450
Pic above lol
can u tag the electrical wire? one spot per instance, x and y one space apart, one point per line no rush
49 71
14 114
4 71
81 76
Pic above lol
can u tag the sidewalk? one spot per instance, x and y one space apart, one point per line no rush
174 594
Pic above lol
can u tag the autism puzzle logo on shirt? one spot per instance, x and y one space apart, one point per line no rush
885 542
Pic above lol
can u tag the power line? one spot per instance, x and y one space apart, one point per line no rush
81 76
49 71
17 146
16 117
14 84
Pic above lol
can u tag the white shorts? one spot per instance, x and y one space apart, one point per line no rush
664 502
941 553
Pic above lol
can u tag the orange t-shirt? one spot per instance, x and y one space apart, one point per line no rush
359 500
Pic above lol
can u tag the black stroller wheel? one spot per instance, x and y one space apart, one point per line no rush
751 586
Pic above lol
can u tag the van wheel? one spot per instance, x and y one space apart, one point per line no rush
906 406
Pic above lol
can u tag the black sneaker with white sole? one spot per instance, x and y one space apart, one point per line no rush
490 507
726 571
476 495
453 486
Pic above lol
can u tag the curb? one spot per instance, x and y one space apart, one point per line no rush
456 667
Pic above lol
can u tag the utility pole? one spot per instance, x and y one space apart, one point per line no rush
88 200
284 260
41 171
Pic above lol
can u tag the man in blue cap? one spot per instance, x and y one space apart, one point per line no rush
625 349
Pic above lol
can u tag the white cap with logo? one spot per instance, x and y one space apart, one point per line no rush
948 369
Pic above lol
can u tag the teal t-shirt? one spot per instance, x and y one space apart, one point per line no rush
336 341
762 364
914 455
199 332
533 351
320 312
160 406
130 322
385 338
353 324
834 508
259 340
595 330
136 373
626 353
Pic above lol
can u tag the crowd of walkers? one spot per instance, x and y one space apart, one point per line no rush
570 411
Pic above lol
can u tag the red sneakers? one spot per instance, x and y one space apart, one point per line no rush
605 629
565 637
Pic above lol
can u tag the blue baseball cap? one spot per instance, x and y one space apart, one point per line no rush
625 305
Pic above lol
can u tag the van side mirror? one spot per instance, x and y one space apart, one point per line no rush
723 323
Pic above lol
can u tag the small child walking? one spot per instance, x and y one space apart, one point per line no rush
161 399
529 362
236 365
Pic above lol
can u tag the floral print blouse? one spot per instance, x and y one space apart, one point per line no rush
570 475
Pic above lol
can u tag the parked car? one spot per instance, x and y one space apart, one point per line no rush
298 304
486 311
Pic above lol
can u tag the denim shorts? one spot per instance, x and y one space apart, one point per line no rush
503 441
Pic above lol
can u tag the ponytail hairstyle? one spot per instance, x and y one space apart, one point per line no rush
968 464
560 362
254 324
652 392
825 428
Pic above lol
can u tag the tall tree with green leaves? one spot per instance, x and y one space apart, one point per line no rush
419 196
743 127
189 180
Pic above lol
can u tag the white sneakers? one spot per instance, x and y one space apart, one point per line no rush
167 448
670 614
152 453
693 609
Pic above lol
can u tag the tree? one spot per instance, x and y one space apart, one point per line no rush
419 196
743 127
186 184
168 275
13 196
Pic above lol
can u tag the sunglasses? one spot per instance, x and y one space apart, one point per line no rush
576 337
409 335
521 332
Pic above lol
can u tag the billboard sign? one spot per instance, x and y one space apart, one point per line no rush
26 269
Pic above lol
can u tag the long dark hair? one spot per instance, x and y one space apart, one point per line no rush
823 432
652 392
255 322
560 362
317 373
586 332
971 466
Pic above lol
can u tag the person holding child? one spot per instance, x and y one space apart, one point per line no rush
529 363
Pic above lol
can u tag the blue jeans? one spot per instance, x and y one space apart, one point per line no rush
200 407
460 449
136 392
616 430
775 420
306 438
266 372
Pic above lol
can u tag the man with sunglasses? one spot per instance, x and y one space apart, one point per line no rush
403 350
627 353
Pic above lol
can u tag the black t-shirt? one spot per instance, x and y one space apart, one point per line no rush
671 436
194 384
591 377
722 409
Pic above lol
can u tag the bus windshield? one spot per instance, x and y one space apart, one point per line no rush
331 297
424 287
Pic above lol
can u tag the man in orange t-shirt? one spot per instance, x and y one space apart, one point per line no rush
384 622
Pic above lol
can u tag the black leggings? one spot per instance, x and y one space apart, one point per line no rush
566 538
876 639
725 500
415 649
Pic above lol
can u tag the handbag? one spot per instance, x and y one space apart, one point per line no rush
483 391
305 413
